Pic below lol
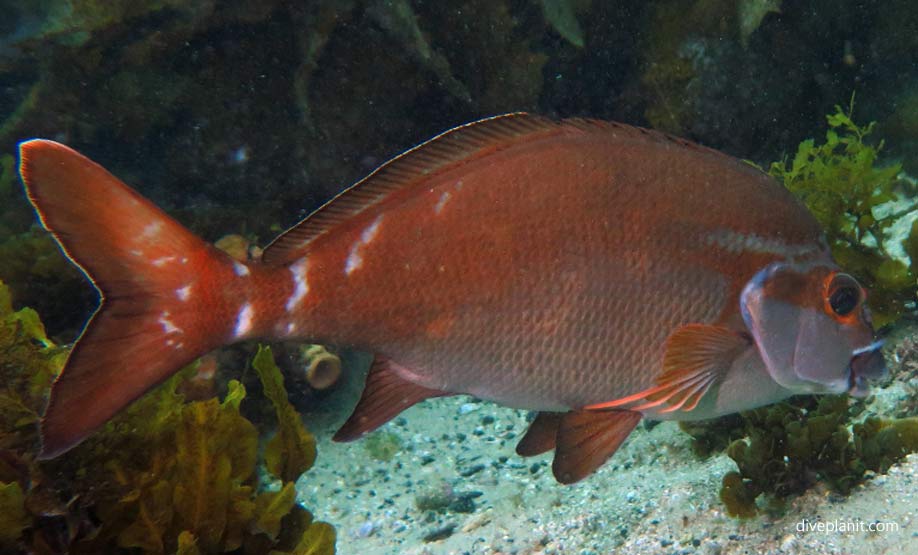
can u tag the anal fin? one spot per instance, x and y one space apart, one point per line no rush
541 435
385 395
586 439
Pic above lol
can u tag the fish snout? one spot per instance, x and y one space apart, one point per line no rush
867 363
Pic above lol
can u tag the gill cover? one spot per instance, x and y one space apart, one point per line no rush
809 325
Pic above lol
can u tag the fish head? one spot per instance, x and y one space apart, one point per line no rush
812 328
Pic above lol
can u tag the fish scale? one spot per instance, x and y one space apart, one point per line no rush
591 269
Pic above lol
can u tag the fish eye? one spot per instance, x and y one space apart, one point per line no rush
844 294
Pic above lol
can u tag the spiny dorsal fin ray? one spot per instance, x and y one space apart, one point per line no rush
419 163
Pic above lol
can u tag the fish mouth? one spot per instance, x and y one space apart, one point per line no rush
866 363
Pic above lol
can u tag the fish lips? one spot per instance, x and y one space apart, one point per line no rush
866 363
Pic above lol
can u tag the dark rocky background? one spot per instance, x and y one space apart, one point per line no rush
241 117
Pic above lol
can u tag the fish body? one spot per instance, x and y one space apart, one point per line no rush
549 276
591 271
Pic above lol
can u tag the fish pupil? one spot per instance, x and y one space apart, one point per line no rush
843 300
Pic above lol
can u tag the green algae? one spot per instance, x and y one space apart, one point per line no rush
843 184
13 517
40 276
713 435
165 476
272 507
667 69
562 16
7 174
791 446
29 362
882 442
382 445
292 450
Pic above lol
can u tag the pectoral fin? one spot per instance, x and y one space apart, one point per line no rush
586 439
697 357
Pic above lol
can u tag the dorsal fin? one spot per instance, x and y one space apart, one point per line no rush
441 152
445 151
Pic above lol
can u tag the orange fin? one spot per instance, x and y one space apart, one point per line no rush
385 395
697 356
586 439
437 154
540 437
148 325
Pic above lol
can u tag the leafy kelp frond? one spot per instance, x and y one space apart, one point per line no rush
165 476
29 362
844 186
13 516
292 450
272 507
215 456
197 493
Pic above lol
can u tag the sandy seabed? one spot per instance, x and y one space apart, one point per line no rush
654 497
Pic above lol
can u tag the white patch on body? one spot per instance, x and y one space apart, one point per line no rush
175 344
240 269
370 232
136 252
355 257
162 261
300 284
444 198
244 320
291 327
354 260
166 323
151 230
183 293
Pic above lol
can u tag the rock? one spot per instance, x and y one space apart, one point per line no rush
441 533
468 407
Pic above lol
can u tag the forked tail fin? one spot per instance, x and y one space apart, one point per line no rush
161 290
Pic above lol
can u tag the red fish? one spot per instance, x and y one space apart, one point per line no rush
594 272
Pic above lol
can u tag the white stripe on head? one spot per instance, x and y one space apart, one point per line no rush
735 242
